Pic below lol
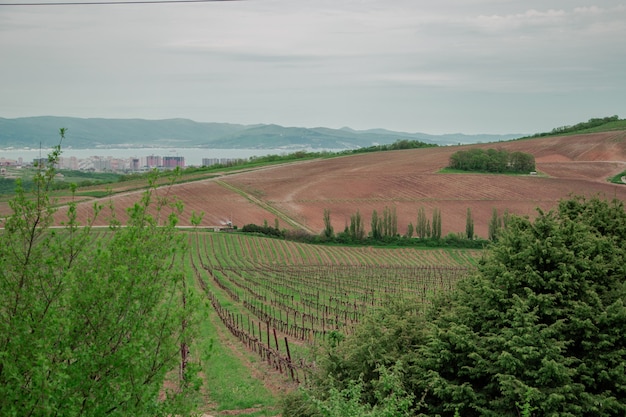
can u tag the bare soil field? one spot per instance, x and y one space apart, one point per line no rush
297 193
409 179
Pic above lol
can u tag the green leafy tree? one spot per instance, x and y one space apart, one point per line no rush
329 232
420 225
377 226
495 224
91 326
356 230
505 219
392 398
410 229
492 160
542 325
370 371
469 224
436 225
390 222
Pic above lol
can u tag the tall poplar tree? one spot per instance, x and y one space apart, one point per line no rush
377 226
328 227
495 224
357 230
436 226
469 224
420 225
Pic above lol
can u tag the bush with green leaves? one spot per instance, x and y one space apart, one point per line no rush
92 325
351 369
492 160
544 320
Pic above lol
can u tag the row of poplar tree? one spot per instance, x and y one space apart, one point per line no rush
385 225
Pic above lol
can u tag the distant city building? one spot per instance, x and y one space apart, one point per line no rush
207 162
173 162
102 165
69 163
40 162
8 162
154 161
134 164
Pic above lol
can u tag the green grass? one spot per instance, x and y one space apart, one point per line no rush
618 178
229 383
448 170
615 125
592 126
95 194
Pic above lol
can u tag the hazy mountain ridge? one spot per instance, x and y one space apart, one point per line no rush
98 132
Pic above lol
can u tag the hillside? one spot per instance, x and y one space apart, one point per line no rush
181 133
297 193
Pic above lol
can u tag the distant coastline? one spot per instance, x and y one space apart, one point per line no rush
193 156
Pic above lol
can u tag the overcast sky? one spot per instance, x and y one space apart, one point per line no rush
446 66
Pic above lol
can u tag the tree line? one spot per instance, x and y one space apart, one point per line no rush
591 123
383 230
492 160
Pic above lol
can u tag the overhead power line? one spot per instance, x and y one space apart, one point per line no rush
108 2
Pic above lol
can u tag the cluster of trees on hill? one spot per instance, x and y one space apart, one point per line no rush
397 145
492 160
591 123
539 330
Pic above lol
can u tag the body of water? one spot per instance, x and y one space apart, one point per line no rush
193 156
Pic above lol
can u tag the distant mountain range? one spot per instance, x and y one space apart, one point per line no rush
183 133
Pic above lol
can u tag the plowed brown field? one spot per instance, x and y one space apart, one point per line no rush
297 193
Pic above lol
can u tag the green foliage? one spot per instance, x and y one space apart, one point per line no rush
397 145
543 324
436 225
492 160
7 185
264 230
392 398
390 222
410 229
469 225
495 225
617 179
355 372
539 330
91 326
376 226
385 226
356 232
420 226
591 124
329 233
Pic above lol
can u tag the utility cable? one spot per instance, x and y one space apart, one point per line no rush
108 2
